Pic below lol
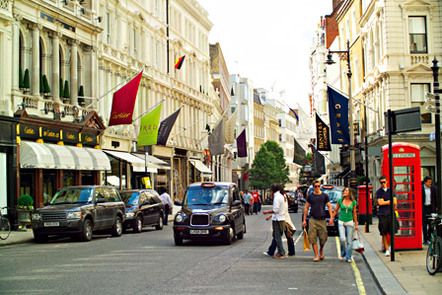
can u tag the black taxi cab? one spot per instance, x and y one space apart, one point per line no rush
210 210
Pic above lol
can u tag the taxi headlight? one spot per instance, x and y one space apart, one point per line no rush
73 215
222 218
179 218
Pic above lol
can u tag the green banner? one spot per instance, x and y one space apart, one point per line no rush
149 127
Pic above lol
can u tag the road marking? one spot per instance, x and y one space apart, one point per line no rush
359 282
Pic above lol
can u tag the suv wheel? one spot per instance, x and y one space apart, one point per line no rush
138 226
117 229
160 224
86 235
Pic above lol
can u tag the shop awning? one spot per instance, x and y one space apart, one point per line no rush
101 161
36 155
142 168
154 162
200 166
125 156
53 156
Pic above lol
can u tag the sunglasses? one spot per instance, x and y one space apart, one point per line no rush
316 186
383 182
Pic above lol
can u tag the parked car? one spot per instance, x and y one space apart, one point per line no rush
210 210
79 211
293 202
335 193
143 208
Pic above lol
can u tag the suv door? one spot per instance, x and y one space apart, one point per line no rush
144 207
153 211
237 211
100 208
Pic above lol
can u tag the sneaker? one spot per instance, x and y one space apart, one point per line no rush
387 253
266 253
278 256
349 260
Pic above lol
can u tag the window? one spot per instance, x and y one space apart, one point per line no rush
418 92
418 34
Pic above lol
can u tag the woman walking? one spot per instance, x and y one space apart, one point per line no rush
347 222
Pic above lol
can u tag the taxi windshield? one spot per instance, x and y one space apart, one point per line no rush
206 196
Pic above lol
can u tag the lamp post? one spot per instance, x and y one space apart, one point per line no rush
329 61
437 92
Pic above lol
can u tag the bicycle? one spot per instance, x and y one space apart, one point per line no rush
434 251
5 226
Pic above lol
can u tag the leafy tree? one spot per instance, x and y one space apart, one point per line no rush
269 167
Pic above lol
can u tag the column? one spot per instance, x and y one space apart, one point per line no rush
93 72
109 95
74 74
55 67
16 52
35 60
101 83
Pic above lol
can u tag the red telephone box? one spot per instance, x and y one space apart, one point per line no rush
407 187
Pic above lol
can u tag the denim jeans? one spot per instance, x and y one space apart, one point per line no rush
290 246
277 237
346 239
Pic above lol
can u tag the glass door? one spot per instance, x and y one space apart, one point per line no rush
404 188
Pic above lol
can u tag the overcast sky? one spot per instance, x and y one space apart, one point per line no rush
268 41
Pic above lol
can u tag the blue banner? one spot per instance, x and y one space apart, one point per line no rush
338 111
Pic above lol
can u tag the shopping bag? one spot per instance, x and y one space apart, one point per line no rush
357 243
306 241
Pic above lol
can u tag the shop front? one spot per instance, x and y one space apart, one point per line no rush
53 154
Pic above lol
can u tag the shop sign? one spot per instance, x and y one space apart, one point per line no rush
71 137
89 139
50 134
29 131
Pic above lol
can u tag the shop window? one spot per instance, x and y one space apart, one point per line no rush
27 183
68 178
49 185
418 91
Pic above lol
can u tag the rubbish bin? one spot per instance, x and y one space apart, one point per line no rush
362 204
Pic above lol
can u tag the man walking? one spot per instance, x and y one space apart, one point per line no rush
384 213
317 225
168 206
256 201
429 205
278 217
247 197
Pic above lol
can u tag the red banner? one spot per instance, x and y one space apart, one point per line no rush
124 101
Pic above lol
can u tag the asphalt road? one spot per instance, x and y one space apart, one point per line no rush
150 263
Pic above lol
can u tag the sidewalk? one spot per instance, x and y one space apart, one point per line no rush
406 275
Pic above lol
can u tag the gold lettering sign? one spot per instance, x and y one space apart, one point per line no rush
338 106
29 131
70 136
120 115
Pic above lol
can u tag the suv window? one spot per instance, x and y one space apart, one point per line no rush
113 195
143 198
72 195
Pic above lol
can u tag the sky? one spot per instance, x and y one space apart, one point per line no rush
268 41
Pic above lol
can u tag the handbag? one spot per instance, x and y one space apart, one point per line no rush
306 241
289 231
357 243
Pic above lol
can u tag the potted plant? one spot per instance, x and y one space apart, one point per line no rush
66 93
24 207
46 88
81 100
27 81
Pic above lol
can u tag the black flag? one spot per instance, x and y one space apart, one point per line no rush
299 157
322 135
165 127
318 162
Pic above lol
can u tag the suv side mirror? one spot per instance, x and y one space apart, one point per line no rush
178 203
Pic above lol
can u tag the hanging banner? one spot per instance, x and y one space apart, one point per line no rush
216 139
124 101
318 162
149 127
241 144
322 135
299 157
338 111
166 126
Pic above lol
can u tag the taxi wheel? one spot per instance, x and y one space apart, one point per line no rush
178 241
240 236
230 236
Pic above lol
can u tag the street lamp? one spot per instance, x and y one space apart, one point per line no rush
329 61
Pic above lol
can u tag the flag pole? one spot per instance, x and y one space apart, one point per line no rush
112 89
163 100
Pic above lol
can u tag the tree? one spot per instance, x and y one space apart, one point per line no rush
269 167
66 92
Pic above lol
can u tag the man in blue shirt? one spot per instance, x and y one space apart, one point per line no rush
384 213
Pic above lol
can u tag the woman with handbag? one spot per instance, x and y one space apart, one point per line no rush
347 222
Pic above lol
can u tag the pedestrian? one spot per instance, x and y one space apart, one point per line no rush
429 205
317 200
384 213
256 201
247 198
278 218
347 222
168 206
290 230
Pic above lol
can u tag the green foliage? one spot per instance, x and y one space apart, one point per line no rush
27 80
269 167
46 88
66 92
25 202
21 82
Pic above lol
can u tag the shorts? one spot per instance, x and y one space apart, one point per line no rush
384 225
317 228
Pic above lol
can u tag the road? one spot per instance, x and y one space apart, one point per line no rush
150 263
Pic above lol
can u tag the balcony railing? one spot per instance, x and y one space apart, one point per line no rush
419 58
